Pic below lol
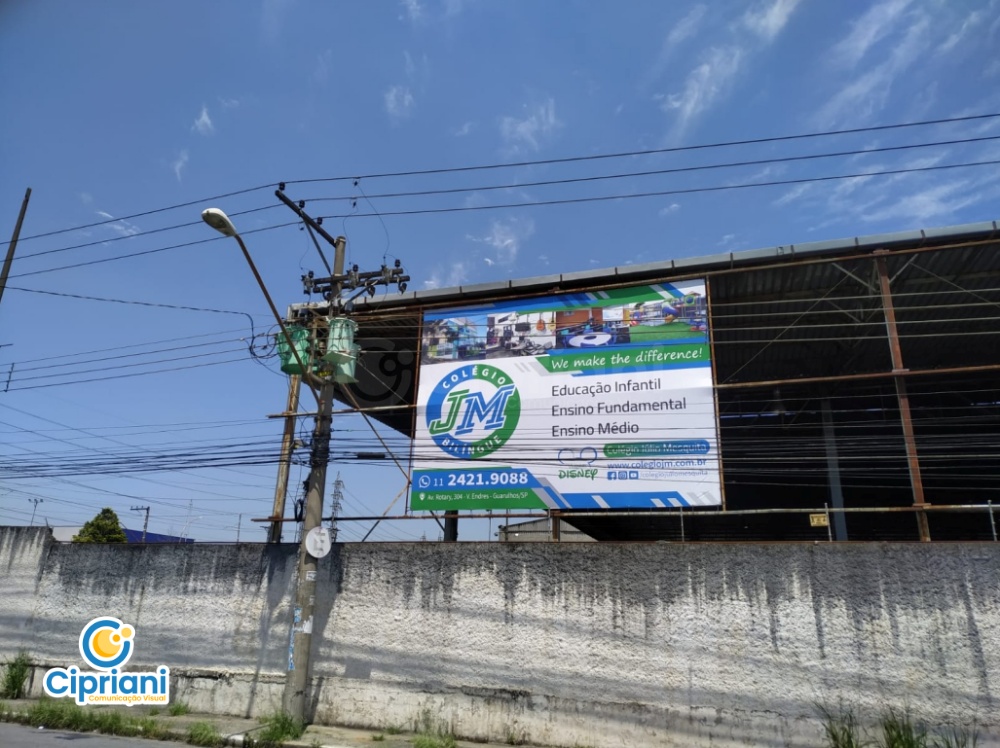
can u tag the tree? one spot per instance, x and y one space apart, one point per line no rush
104 528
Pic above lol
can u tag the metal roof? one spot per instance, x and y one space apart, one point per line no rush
691 266
809 317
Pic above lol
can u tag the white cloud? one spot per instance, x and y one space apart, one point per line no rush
272 18
324 64
672 208
179 164
529 133
704 85
867 93
793 194
229 103
871 27
203 124
972 21
414 10
464 130
930 204
768 19
455 275
727 239
686 27
122 228
399 102
506 238
489 261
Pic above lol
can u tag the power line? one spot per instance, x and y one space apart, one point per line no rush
147 212
132 302
659 172
664 193
653 151
128 376
146 252
571 159
542 203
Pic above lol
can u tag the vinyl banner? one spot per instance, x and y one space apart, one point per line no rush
583 401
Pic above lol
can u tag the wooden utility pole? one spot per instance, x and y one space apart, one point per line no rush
300 645
13 243
287 446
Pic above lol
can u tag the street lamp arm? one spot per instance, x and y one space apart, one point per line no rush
306 376
219 221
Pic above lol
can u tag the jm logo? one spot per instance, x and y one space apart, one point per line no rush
478 411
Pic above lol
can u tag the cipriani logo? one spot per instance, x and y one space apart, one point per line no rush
473 411
106 644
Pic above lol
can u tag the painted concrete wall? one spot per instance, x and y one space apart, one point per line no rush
572 645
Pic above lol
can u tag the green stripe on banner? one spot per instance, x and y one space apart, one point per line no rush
611 359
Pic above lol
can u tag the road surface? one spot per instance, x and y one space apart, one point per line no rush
19 736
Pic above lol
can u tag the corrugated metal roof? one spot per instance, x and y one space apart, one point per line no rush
689 266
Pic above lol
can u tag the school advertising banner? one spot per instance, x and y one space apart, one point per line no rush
576 401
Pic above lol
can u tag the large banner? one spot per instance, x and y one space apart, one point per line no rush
581 401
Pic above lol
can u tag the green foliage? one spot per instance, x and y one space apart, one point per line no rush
204 734
434 741
58 714
393 730
957 737
515 738
280 726
378 738
178 709
103 528
899 731
15 676
431 736
841 728
153 711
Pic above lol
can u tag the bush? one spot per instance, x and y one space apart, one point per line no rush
178 709
15 676
278 727
841 728
202 733
899 731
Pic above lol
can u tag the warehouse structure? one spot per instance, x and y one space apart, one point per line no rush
857 385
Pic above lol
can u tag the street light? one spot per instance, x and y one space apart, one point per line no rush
300 640
219 221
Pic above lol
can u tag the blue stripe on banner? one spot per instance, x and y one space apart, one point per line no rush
638 500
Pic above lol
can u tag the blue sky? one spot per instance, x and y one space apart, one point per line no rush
118 108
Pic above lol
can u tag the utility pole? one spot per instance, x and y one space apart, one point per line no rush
145 524
287 446
36 502
294 698
13 243
239 525
297 680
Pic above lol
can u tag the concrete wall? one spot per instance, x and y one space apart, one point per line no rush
571 645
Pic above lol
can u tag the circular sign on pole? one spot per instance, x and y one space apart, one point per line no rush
318 543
